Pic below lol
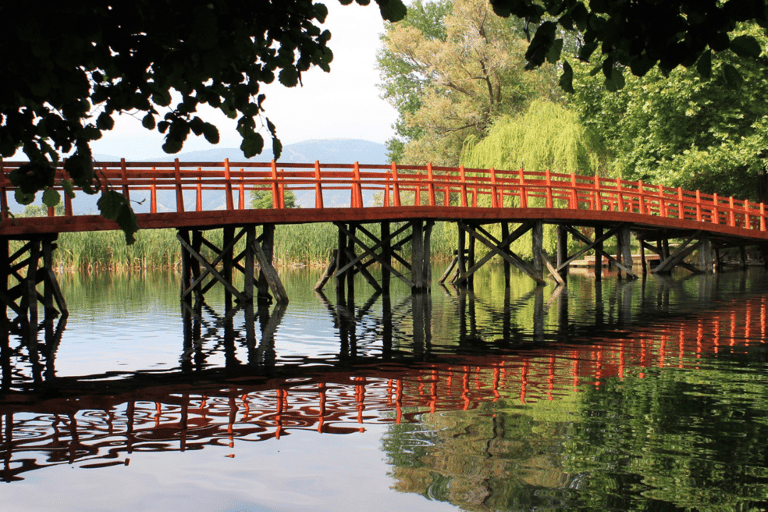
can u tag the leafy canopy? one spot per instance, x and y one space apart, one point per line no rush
683 130
68 67
638 34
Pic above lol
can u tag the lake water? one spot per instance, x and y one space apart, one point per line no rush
639 395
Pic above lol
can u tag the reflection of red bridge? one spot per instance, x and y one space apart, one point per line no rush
96 431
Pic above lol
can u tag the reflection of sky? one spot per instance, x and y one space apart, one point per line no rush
153 339
300 472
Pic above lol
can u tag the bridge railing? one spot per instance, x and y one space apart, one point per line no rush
185 186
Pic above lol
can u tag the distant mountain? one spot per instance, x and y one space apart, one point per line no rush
326 151
333 151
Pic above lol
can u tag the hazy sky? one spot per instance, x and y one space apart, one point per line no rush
344 103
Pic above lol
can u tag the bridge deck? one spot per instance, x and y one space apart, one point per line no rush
373 193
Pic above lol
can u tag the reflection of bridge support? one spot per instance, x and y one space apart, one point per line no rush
201 322
35 260
380 248
196 266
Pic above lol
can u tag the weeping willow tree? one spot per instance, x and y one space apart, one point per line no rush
546 136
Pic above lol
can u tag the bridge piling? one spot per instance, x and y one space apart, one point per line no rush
30 266
196 267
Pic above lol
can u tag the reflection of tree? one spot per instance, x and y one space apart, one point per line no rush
497 457
674 439
692 438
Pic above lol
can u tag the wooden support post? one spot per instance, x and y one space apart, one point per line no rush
705 254
328 271
226 272
626 249
471 256
386 254
461 259
186 272
52 289
743 257
250 263
341 261
351 256
537 236
266 241
417 257
598 253
562 251
507 265
642 257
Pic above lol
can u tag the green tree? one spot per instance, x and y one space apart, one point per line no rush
451 77
69 67
683 130
401 83
263 199
546 136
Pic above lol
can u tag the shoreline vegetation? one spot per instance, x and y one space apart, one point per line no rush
299 245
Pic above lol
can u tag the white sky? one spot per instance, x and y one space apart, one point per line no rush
344 103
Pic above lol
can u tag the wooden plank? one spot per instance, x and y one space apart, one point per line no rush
327 274
278 290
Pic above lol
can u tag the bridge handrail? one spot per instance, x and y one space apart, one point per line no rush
397 186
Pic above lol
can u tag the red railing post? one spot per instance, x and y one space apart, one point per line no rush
747 220
179 195
731 214
199 202
494 196
619 196
597 200
281 190
153 194
357 192
431 185
395 185
640 198
275 191
228 185
715 211
548 181
662 206
762 216
574 198
318 186
680 205
241 196
698 205
523 190
463 178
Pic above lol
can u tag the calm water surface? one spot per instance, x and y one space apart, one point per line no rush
645 395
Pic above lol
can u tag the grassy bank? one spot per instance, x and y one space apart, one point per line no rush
298 244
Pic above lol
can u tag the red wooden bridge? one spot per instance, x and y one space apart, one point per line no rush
413 196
